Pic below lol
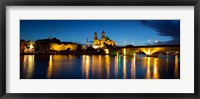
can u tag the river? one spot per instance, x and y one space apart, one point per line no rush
99 67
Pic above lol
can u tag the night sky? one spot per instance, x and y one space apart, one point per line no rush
123 32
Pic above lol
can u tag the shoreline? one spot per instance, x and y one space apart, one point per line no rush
59 54
78 54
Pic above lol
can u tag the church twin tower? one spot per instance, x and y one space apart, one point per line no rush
102 35
100 43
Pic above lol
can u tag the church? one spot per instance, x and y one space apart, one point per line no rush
103 42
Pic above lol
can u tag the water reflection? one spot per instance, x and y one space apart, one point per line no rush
86 66
50 67
107 64
148 73
133 72
99 67
116 66
176 70
28 65
155 69
167 63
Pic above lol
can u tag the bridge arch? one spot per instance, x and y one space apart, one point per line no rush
158 53
151 50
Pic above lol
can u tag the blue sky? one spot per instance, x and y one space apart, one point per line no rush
123 32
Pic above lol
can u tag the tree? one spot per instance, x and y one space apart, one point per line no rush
79 48
68 50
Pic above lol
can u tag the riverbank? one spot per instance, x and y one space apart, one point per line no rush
61 54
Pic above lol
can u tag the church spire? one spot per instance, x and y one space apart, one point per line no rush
95 36
103 34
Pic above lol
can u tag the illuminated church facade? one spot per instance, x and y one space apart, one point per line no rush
103 42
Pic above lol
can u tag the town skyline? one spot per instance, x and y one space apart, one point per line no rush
123 32
118 49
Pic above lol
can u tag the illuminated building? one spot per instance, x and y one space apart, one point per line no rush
63 46
103 42
51 45
47 45
22 46
29 47
43 45
86 45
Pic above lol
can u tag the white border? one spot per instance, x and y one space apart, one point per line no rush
183 85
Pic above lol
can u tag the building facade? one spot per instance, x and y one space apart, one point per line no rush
63 46
49 45
103 42
27 46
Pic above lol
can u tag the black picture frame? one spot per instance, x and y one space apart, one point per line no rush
4 3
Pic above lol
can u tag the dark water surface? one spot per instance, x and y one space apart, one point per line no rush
98 67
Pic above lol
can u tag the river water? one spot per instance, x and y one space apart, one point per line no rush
99 67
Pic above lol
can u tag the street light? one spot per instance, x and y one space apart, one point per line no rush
149 41
156 41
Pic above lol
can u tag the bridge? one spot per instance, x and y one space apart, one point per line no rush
153 50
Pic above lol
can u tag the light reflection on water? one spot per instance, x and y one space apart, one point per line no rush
50 67
28 65
98 67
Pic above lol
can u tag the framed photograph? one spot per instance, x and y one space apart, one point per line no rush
100 49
